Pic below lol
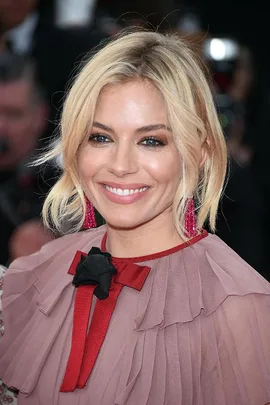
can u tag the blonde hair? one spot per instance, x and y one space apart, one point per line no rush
166 61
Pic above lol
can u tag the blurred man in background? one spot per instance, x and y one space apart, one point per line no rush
23 113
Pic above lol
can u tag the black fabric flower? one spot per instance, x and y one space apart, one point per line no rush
95 268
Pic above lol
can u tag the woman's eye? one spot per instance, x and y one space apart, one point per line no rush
99 138
152 142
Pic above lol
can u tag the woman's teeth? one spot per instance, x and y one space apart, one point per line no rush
124 192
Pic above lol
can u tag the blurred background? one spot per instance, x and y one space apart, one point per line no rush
43 42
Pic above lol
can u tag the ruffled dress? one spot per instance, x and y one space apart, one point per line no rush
197 333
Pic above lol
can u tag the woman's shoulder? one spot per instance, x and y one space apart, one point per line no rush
228 269
62 247
47 269
195 281
82 240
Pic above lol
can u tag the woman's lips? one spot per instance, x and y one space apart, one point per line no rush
124 194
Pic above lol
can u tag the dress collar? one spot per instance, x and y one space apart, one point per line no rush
157 255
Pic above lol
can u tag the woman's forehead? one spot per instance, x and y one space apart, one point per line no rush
131 103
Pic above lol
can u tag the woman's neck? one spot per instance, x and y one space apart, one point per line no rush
153 237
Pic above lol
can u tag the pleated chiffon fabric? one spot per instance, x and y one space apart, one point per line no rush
198 333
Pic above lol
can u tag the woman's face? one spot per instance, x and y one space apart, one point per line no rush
130 167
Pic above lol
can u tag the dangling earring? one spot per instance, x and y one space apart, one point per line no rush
190 218
90 219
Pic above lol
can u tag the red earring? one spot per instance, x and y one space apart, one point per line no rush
90 219
190 218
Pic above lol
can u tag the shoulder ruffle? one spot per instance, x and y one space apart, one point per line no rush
32 288
197 279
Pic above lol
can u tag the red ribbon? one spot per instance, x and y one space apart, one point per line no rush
85 347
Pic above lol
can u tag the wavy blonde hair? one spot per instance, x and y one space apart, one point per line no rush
168 62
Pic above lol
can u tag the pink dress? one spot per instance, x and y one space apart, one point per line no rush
198 332
7 397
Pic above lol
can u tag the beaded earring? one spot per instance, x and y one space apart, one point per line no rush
90 218
190 218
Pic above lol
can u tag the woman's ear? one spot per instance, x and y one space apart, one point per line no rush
205 152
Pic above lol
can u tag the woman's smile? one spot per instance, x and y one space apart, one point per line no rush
124 194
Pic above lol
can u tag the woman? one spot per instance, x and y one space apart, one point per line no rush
148 309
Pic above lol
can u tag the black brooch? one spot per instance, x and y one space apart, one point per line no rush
95 269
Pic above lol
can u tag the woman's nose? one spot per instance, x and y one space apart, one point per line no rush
123 160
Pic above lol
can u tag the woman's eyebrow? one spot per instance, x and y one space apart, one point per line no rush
154 127
145 128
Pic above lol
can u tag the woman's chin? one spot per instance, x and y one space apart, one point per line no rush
124 224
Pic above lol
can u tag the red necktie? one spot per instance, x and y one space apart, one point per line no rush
85 347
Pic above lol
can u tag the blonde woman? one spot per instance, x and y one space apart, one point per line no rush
148 309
